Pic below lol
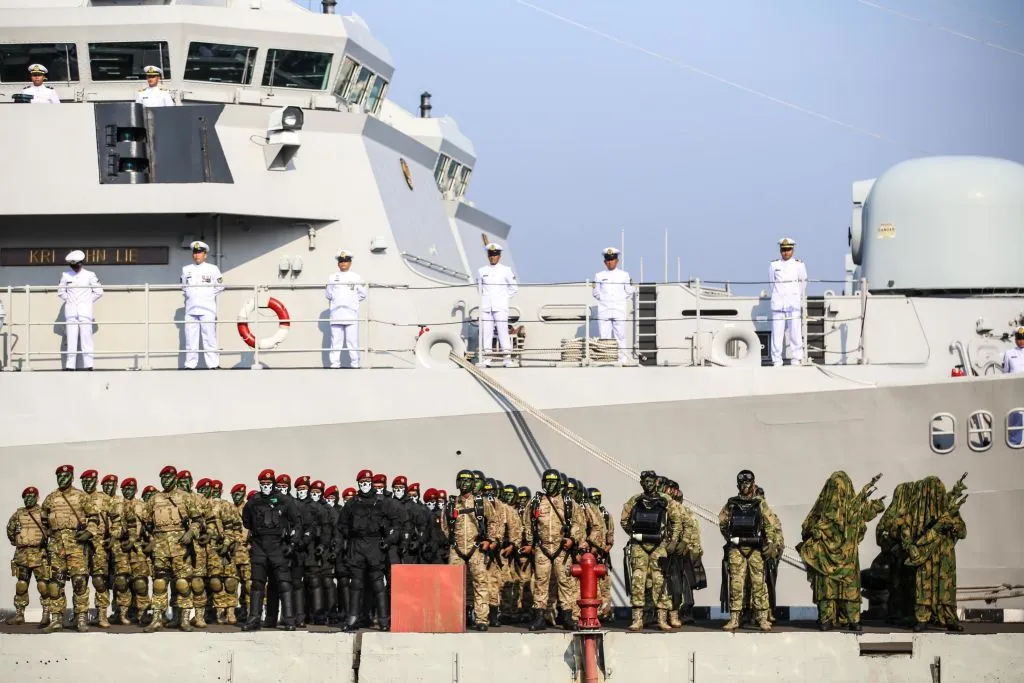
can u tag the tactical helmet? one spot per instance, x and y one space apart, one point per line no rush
490 486
508 493
523 493
465 481
595 496
744 477
563 481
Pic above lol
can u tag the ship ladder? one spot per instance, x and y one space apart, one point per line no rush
789 554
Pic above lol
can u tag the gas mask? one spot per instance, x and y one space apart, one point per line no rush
365 486
282 489
266 488
398 492
314 496
302 494
89 484
648 484
64 480
30 500
745 483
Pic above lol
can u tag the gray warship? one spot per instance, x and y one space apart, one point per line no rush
285 148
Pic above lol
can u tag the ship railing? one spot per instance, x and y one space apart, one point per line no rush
566 325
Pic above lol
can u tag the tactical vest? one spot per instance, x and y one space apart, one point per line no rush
166 515
745 521
62 513
477 511
268 516
648 518
30 530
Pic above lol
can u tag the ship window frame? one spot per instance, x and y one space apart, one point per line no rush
451 173
271 73
1015 429
358 101
161 47
248 68
440 167
951 432
345 77
375 107
973 431
463 181
71 66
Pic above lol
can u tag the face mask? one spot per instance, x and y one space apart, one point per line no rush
331 502
266 489
283 489
379 492
315 495
365 486
431 506
399 492
302 493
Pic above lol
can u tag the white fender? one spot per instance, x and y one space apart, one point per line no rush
729 334
427 341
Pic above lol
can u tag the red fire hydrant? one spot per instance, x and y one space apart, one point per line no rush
588 571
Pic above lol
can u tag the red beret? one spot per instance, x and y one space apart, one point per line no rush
170 469
203 483
110 477
302 481
364 474
217 483
380 479
430 494
400 481
348 493
250 494
238 488
284 479
267 475
149 489
65 469
414 487
441 493
30 491
184 474
317 485
331 491
129 481
90 474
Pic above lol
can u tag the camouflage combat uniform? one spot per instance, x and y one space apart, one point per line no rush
465 532
510 531
200 555
168 513
25 532
243 567
64 520
133 511
889 534
222 564
551 526
684 542
935 527
97 509
747 562
647 555
604 585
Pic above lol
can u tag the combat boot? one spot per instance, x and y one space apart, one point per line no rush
299 601
185 624
17 618
81 625
101 618
539 622
155 624
763 622
355 597
380 589
44 621
287 610
734 621
673 619
122 615
200 620
229 617
175 621
638 619
663 620
252 623
56 623
492 617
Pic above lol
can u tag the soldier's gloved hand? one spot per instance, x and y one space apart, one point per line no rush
150 547
188 536
126 546
83 536
203 539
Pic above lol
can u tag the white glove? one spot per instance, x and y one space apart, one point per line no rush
735 540
638 537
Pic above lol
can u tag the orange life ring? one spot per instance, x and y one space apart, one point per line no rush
284 322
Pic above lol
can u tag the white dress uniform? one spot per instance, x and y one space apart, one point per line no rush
1013 361
787 280
202 284
496 285
154 97
41 94
345 291
79 291
613 290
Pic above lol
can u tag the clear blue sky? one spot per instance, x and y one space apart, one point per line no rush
579 136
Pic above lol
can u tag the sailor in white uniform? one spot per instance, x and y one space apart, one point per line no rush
496 284
613 290
345 291
787 282
41 94
202 283
1013 360
79 289
153 95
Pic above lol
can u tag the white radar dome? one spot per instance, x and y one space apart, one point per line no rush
951 223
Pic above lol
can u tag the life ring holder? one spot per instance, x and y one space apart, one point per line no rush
430 338
720 356
284 324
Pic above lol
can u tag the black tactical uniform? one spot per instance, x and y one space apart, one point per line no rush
291 554
271 521
414 531
318 571
370 524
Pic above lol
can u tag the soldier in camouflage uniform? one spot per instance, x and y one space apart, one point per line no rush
935 526
473 530
66 547
135 537
684 544
26 533
557 528
752 532
889 535
604 585
200 549
497 563
509 597
220 566
97 507
649 519
117 554
174 520
523 565
831 533
243 570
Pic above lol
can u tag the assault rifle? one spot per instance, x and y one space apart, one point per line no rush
870 488
958 488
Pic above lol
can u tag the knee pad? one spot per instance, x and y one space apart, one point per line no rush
198 585
284 587
216 585
231 584
120 583
21 587
24 574
140 586
182 587
80 584
53 590
100 583
42 587
314 582
159 586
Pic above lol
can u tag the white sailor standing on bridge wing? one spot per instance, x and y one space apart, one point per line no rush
41 94
497 284
202 283
79 289
153 95
613 289
345 291
787 282
1013 359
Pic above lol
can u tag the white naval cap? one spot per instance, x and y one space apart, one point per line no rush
38 69
787 243
610 253
77 256
343 255
494 247
153 71
200 246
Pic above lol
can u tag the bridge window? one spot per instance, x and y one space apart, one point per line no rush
1015 428
943 433
348 68
60 59
358 89
297 69
979 430
463 181
220 63
376 96
441 167
125 61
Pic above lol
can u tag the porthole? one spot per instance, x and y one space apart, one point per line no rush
943 433
1015 428
979 430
